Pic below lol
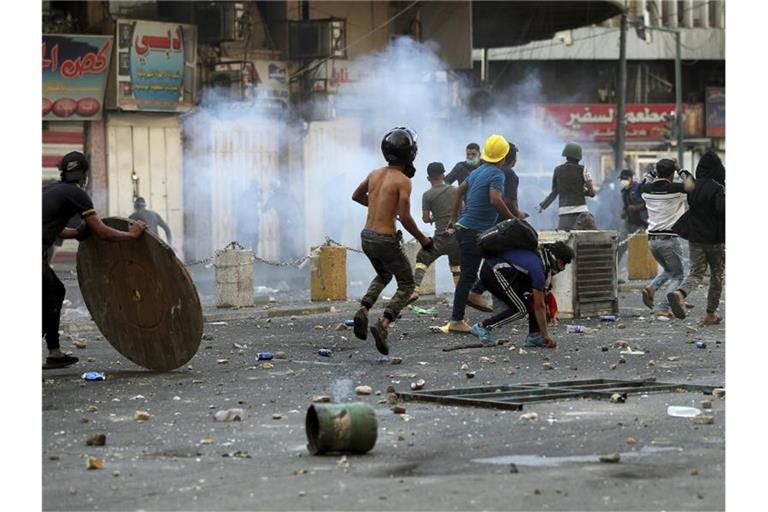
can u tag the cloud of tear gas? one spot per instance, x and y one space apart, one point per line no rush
243 183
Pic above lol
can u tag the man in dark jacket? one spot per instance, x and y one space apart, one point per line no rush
462 169
633 213
704 227
572 182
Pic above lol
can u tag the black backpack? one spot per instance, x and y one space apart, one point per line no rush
508 234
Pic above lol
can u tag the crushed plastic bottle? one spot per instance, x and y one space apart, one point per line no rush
678 411
265 356
92 376
324 352
578 329
608 318
349 323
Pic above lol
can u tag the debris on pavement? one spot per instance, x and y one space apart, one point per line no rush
281 355
529 416
418 384
141 416
264 356
94 463
229 415
678 411
424 311
396 360
513 468
94 376
718 392
324 352
706 404
398 409
320 399
470 375
363 390
618 398
631 440
611 458
222 361
97 440
267 366
80 344
703 420
277 416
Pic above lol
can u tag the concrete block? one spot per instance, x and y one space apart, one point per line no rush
640 262
328 274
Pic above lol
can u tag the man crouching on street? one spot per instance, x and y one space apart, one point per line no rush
387 193
513 275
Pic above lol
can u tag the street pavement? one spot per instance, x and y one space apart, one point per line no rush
433 457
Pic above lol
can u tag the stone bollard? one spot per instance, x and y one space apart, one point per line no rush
640 262
234 276
328 273
428 283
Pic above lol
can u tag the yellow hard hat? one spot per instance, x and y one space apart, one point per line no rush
495 149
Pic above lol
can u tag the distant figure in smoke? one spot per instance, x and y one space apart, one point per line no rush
572 182
666 203
286 207
634 215
386 192
248 226
462 169
511 184
62 200
703 225
153 220
481 193
436 205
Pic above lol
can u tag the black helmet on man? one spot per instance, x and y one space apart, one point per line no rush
572 151
399 146
73 167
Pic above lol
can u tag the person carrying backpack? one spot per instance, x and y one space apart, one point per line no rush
513 276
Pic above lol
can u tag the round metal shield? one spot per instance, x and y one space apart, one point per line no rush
141 298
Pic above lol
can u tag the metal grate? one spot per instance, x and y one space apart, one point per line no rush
513 397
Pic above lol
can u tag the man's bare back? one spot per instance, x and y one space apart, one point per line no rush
385 186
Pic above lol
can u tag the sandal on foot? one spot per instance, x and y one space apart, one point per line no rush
676 305
648 298
360 325
380 335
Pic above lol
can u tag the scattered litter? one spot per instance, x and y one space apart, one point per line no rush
237 455
663 318
607 318
222 361
267 366
619 398
470 375
94 376
239 346
439 328
464 367
549 366
324 352
622 360
80 344
320 399
265 356
631 440
343 462
706 404
485 359
718 392
398 409
97 440
703 420
319 328
363 390
701 344
116 473
418 384
219 323
677 411
529 416
349 323
281 355
396 360
206 441
277 416
141 416
93 408
94 463
424 311
229 415
612 366
672 358
631 352
611 458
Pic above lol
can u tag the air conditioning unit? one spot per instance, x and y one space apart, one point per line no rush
588 286
219 21
317 39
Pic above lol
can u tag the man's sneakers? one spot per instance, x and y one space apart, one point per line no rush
380 336
676 304
475 300
648 297
459 327
61 361
360 325
486 336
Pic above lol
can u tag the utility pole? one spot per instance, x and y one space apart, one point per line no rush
621 123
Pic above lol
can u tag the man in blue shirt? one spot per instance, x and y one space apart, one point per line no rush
481 193
512 277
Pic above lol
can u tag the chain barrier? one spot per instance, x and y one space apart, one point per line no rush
629 237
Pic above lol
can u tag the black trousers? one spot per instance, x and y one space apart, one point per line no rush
510 286
53 298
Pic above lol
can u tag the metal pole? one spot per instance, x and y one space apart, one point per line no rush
679 98
618 156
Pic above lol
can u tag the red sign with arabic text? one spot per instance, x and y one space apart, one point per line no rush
597 121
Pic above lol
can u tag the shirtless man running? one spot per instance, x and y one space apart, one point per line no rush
386 192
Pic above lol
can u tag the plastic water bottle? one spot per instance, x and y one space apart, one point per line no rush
574 329
701 344
265 356
349 323
92 376
325 352
608 318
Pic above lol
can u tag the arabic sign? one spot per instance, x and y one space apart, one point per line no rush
597 121
263 83
74 76
155 66
715 111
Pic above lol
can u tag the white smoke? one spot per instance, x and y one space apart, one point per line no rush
282 202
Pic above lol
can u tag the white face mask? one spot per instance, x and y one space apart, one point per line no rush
625 183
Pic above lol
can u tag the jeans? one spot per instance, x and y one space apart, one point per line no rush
385 253
701 256
471 257
668 252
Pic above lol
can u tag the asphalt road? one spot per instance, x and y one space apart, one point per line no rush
433 457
